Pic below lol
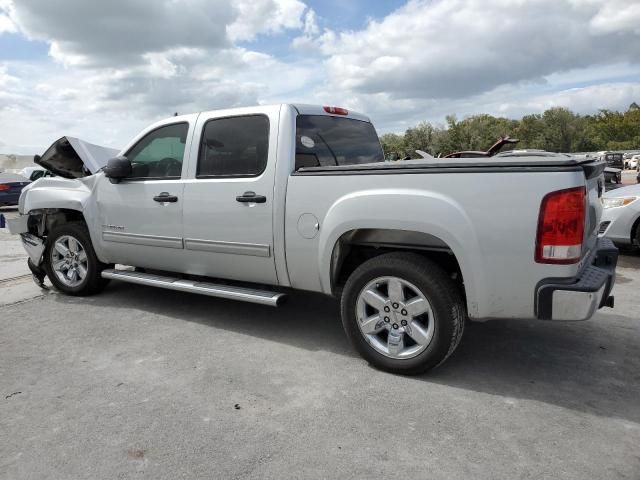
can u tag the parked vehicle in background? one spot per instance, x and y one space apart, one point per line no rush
614 160
493 150
34 173
621 216
300 197
612 175
632 163
11 185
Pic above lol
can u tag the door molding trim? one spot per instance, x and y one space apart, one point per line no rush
235 248
146 240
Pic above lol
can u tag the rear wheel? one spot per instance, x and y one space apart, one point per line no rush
70 261
402 313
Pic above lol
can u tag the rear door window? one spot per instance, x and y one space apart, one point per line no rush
234 147
323 141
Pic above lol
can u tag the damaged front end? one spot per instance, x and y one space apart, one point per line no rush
71 157
52 201
33 245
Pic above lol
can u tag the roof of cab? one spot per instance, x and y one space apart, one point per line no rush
301 108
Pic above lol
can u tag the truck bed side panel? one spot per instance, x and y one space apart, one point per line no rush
488 220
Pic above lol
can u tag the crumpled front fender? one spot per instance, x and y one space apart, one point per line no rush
55 192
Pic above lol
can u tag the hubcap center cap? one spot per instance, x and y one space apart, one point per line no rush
398 317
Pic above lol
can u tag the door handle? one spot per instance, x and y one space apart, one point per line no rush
251 197
165 197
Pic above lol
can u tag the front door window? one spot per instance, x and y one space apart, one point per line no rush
160 153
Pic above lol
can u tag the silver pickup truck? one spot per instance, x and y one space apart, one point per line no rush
251 203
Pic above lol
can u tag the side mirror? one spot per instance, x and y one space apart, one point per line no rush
36 175
117 168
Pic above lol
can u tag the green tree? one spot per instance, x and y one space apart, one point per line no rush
392 145
556 129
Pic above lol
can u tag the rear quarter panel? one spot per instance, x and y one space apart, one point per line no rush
489 221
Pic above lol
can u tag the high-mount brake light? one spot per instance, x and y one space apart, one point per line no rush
561 227
336 110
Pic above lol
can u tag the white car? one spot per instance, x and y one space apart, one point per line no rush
621 215
34 173
632 163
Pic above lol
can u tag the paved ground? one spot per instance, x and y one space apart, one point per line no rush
138 382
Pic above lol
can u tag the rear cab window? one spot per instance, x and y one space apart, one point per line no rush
325 141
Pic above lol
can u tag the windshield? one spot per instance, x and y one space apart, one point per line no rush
322 141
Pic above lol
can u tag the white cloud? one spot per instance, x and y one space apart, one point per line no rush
125 65
109 106
6 25
309 32
617 16
456 48
264 16
118 65
119 32
7 80
616 96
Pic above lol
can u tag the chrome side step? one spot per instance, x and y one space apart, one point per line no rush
263 297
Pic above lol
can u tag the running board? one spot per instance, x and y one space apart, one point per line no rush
263 297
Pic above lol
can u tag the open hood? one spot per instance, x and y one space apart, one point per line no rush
70 157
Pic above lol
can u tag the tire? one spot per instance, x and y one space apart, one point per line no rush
440 327
78 285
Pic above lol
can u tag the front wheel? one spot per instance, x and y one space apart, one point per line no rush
402 313
70 261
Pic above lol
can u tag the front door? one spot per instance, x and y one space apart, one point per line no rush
141 217
228 199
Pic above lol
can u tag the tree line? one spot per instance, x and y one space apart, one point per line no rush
556 130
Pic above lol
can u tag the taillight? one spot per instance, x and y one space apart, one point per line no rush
561 226
336 110
4 187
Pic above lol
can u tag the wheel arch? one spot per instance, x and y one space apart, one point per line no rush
430 223
42 221
358 245
634 234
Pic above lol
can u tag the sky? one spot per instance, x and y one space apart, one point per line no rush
102 71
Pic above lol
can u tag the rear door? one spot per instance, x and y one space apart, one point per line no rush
228 199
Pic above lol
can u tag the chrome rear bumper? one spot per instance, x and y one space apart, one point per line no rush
579 298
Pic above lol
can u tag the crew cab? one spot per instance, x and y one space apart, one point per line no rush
254 203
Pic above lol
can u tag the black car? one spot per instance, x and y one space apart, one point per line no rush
614 160
612 175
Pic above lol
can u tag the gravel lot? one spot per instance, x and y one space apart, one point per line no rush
144 383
